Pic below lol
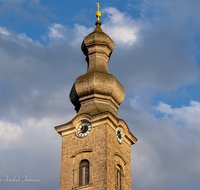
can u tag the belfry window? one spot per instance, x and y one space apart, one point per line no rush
84 173
119 178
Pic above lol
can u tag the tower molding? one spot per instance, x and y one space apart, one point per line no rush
117 154
103 118
82 151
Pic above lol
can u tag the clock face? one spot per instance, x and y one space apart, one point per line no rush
84 129
119 135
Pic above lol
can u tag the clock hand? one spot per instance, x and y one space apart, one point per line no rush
83 128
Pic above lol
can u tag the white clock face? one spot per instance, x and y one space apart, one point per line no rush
119 135
84 129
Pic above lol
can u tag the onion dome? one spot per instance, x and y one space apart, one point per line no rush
97 91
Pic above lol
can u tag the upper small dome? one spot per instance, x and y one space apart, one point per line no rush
97 37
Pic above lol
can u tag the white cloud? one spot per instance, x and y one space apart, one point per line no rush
189 115
168 147
146 162
4 31
121 28
80 32
136 103
34 151
23 36
57 31
193 109
10 134
74 36
159 51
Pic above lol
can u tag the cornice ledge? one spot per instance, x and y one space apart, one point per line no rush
105 115
64 128
131 138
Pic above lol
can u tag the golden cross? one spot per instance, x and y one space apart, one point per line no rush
98 13
98 6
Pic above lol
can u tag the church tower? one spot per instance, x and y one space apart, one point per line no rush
96 143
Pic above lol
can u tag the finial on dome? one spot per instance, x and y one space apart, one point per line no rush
98 13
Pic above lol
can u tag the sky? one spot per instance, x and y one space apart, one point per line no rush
156 58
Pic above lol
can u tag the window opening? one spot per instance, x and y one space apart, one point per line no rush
84 173
119 178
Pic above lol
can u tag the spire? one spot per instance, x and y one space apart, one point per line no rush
97 91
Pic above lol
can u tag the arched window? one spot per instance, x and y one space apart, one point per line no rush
119 177
84 173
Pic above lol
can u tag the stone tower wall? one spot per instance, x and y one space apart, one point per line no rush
103 151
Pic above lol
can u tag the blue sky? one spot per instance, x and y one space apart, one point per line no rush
156 58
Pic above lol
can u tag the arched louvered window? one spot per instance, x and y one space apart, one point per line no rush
84 172
119 178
